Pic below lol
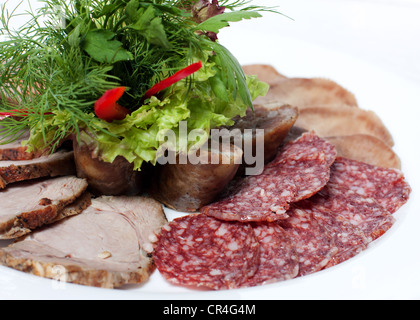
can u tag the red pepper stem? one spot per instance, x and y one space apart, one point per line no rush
178 76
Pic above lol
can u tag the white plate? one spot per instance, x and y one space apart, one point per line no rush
383 78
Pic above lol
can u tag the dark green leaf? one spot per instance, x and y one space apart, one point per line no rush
150 26
100 46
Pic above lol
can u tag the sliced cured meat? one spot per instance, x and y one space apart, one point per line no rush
308 146
108 245
330 121
347 237
387 187
314 245
60 163
363 212
367 149
308 92
305 161
200 251
255 198
190 186
301 169
30 205
279 260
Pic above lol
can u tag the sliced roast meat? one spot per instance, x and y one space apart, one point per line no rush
60 163
273 124
191 184
28 205
15 150
108 245
80 204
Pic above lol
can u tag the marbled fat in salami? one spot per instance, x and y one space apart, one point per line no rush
197 250
305 161
387 187
363 212
348 238
255 198
308 146
300 170
278 257
314 245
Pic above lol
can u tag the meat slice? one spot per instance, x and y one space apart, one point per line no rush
108 245
279 260
386 186
308 92
15 150
314 244
201 251
29 205
264 72
60 163
299 171
254 198
18 229
348 238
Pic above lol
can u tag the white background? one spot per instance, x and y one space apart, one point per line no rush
373 49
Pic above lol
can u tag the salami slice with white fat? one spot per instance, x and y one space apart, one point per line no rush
308 146
255 198
299 171
386 186
347 237
314 245
200 251
363 212
279 260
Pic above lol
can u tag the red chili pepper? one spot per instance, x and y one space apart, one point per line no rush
107 108
181 74
4 115
17 113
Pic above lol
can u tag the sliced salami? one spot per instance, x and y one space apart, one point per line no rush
278 260
364 213
314 244
308 146
348 238
200 251
386 186
255 198
297 173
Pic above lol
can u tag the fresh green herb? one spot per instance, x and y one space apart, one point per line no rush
71 52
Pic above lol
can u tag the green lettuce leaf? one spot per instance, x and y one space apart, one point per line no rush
184 108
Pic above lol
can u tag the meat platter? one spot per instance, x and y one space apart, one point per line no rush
156 277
